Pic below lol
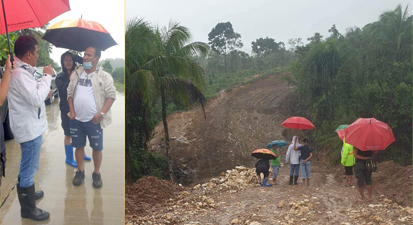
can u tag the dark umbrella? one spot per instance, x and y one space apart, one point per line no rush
78 35
24 14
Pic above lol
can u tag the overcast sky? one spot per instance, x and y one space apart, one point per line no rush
277 19
110 14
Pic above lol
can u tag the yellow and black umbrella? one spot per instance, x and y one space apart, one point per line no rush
263 154
78 35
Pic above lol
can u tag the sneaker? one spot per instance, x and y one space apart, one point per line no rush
77 180
97 180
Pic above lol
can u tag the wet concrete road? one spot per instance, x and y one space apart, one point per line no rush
66 203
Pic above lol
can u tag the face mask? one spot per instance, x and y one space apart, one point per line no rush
88 65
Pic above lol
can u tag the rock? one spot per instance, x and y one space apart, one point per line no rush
235 221
255 223
197 186
241 168
185 193
403 219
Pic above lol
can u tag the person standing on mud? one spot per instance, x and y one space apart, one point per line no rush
348 160
292 157
275 164
362 174
306 154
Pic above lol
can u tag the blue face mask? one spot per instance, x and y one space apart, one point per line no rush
88 65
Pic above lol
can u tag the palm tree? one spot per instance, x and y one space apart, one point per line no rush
159 64
397 29
177 75
140 88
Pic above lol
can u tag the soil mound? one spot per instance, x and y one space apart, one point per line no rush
148 192
394 181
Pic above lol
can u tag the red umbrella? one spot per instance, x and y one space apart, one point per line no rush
263 154
369 134
297 122
340 134
23 14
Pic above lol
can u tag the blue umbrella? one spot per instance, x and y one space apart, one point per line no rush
278 143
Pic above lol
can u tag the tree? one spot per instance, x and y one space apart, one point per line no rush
119 74
159 64
396 27
223 40
264 46
139 91
4 45
317 38
107 66
294 43
334 32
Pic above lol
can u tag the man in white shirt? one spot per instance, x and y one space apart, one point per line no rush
28 121
90 95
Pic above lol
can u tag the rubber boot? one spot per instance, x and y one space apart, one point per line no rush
264 182
291 180
37 195
87 158
27 204
69 156
295 180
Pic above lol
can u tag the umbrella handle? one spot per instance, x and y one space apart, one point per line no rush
7 32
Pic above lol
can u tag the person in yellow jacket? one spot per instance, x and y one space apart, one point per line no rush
348 161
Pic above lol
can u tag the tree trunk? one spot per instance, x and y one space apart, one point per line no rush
128 169
165 127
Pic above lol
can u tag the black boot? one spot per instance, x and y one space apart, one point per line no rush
295 180
27 204
291 180
38 194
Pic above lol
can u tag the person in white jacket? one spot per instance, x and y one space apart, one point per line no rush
28 120
292 157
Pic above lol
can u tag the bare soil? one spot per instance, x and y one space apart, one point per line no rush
325 201
237 123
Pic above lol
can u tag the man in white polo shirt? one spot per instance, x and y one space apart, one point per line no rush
90 95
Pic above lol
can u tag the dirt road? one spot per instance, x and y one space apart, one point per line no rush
233 199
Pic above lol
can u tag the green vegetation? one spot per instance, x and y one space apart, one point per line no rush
159 66
365 73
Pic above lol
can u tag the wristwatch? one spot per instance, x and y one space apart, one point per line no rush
103 114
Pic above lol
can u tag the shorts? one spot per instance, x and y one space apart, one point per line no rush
349 170
362 175
65 123
263 170
79 131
